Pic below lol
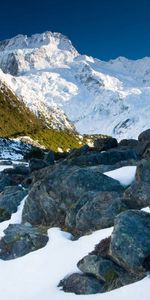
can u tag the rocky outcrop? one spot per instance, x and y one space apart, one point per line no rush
105 144
47 204
122 259
110 157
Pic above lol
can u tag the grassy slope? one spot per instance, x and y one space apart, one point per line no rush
17 120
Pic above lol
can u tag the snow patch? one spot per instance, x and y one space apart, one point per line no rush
124 175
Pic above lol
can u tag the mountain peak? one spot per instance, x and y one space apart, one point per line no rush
39 51
37 40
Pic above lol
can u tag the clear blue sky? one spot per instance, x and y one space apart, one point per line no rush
102 28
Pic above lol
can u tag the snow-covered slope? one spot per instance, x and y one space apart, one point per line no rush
47 72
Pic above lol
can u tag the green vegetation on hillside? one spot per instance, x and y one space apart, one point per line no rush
17 120
54 139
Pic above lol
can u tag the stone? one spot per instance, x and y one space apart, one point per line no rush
137 195
130 241
143 171
47 204
130 143
81 284
78 152
110 157
50 158
106 270
10 198
20 239
144 136
14 176
95 210
104 144
37 164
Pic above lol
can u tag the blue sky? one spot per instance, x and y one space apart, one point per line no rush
102 28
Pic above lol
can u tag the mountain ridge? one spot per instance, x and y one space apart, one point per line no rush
54 80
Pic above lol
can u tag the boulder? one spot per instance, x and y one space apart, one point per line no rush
110 157
107 271
50 158
130 241
81 284
146 153
143 171
20 239
10 198
97 266
14 176
131 143
63 186
144 136
78 151
5 181
137 195
104 144
95 210
37 164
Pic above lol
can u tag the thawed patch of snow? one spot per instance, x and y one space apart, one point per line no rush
124 175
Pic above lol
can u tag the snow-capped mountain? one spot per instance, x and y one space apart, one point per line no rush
59 84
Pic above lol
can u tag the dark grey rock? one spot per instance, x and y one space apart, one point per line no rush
104 144
137 196
21 239
109 272
50 158
110 157
97 266
144 136
81 284
37 164
14 176
95 210
63 186
146 153
78 152
10 198
131 143
130 241
143 171
18 170
5 181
